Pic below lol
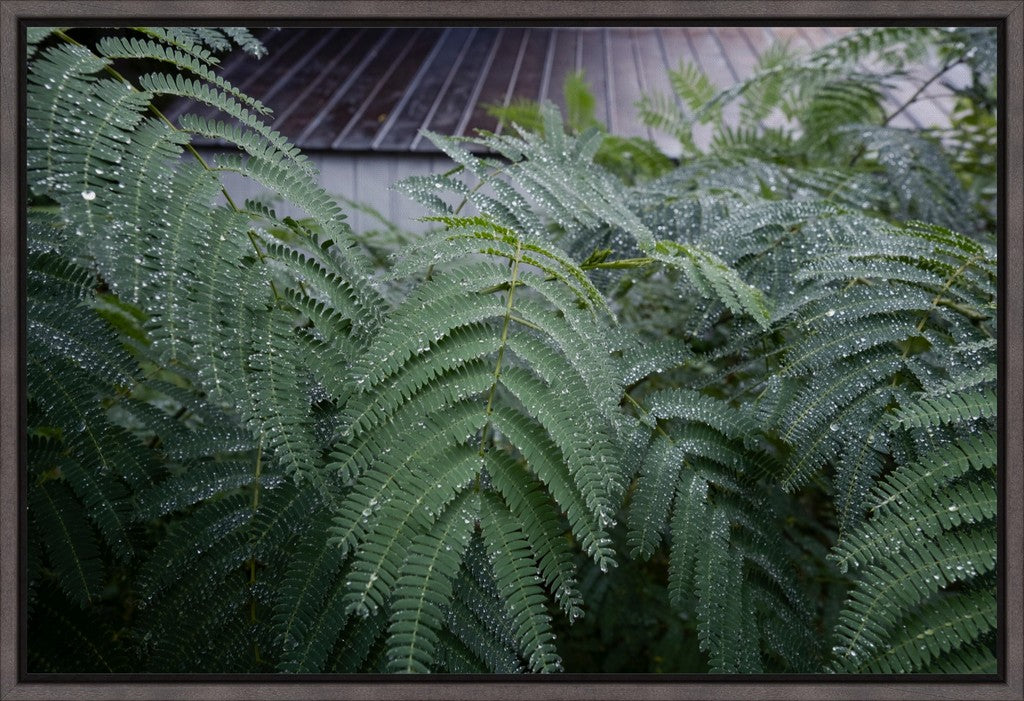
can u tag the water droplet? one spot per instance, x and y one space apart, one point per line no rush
88 195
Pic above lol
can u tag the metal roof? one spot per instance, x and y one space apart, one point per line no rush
374 89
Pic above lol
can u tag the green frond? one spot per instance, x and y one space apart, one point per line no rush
482 653
829 393
360 645
402 513
69 401
454 657
830 344
478 616
976 659
960 503
915 164
133 48
105 502
61 160
298 186
281 514
542 455
588 452
354 456
649 509
187 40
223 100
199 482
201 40
784 634
34 36
862 460
51 276
692 85
325 629
324 267
689 525
763 96
516 576
543 167
687 405
277 413
933 470
935 410
428 317
71 546
718 581
714 279
642 359
424 587
214 521
898 583
201 629
633 160
542 528
840 102
65 331
662 112
244 39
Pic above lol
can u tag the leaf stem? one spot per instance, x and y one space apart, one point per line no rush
488 410
252 560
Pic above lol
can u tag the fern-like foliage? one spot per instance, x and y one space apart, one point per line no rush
228 402
630 159
753 392
698 483
555 170
809 112
512 387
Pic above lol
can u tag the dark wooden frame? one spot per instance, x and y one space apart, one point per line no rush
1008 14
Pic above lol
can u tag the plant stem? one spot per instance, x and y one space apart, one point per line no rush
501 350
252 560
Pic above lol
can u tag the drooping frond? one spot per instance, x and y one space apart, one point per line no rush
518 368
541 166
929 535
898 583
514 571
478 617
722 560
305 623
70 542
424 587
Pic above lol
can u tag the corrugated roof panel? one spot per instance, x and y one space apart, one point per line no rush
311 98
595 68
374 89
452 101
406 116
355 88
509 47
